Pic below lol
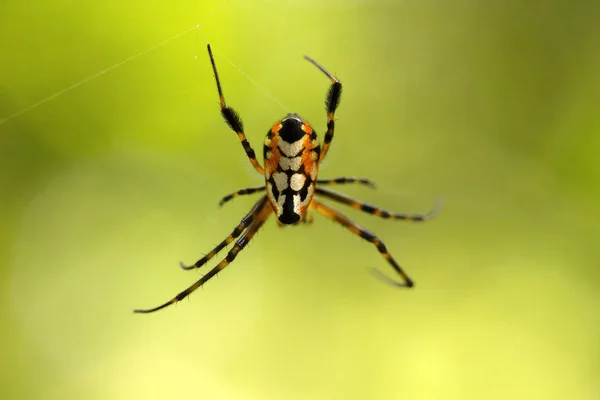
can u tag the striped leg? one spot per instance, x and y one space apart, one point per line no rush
241 192
343 220
233 119
246 221
260 219
346 180
332 101
379 212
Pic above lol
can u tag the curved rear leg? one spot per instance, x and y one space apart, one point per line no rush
343 220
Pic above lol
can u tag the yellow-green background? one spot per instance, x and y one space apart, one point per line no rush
493 106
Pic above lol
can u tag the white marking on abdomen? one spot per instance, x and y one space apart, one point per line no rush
297 204
291 149
281 181
297 182
280 203
290 163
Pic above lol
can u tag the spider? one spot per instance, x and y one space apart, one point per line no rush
292 156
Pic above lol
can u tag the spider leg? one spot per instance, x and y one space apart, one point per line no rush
243 225
241 192
345 180
233 119
343 220
260 219
379 212
332 101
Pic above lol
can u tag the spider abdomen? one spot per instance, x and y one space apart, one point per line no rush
291 154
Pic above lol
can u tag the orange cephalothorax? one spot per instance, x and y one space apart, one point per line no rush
291 166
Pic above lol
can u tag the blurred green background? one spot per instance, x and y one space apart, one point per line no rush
492 106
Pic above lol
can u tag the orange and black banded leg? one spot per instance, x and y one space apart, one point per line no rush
239 245
346 180
343 220
379 212
332 102
241 192
246 221
233 119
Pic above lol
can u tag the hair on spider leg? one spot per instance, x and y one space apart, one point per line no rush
334 96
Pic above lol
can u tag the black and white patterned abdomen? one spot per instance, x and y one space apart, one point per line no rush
291 152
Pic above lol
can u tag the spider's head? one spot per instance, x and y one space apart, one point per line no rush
291 154
293 128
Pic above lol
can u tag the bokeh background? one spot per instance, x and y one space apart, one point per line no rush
492 106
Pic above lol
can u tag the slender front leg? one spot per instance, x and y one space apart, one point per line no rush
233 120
332 102
343 220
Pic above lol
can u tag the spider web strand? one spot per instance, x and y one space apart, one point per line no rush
104 71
